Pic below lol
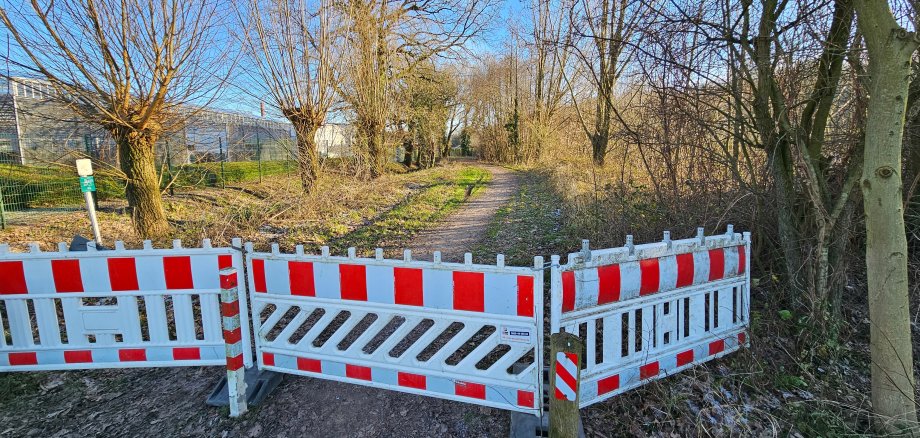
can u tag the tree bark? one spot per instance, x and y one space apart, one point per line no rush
307 160
890 48
136 159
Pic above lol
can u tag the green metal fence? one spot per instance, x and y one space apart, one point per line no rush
37 175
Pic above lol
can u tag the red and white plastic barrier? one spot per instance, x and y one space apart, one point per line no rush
113 308
231 316
404 325
651 310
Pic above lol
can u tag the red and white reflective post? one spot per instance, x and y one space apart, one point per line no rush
564 376
230 313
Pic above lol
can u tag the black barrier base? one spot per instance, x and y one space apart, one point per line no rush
529 426
259 384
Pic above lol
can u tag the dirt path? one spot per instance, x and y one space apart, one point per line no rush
170 402
466 227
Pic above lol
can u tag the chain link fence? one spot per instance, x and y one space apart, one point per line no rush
37 175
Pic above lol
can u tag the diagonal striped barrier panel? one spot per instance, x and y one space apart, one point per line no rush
458 331
648 311
114 308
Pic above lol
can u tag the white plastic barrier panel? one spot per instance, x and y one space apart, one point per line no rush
114 308
652 310
462 332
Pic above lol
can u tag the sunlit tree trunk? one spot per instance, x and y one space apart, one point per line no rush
890 49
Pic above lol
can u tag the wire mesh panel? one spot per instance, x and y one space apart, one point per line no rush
652 310
456 331
114 308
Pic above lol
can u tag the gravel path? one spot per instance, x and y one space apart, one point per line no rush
462 230
170 401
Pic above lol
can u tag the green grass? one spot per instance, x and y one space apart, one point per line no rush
395 227
34 187
211 175
25 187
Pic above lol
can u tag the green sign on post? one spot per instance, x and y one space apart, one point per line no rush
87 184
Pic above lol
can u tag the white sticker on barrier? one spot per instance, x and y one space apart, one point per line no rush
456 331
648 311
115 308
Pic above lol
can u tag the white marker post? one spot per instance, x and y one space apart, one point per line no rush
88 186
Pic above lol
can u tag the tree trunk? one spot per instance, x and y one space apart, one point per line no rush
136 157
307 159
890 49
407 153
599 148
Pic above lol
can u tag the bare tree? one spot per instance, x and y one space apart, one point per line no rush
604 31
387 40
291 43
127 66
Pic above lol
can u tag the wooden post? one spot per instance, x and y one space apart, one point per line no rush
563 401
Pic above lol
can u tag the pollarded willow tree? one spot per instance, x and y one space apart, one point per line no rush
128 66
291 44
386 41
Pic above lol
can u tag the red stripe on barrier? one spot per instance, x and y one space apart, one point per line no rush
233 336
741 338
229 310
14 278
178 272
469 292
608 384
716 264
224 261
649 370
353 282
472 390
568 291
23 358
685 269
525 398
651 276
66 275
565 375
268 359
78 356
122 274
300 276
716 347
234 363
311 365
132 355
410 380
258 275
358 372
186 353
407 284
742 260
525 295
684 358
228 281
608 284
559 395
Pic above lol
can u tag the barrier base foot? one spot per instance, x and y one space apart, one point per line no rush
259 384
530 426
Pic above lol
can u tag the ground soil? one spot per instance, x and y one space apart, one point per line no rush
171 401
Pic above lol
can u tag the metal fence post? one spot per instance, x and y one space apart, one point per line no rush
564 379
220 146
2 211
259 155
233 340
